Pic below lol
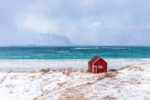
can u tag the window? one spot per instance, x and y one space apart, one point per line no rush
100 66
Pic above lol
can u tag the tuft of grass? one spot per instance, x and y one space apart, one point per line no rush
119 91
109 75
45 70
66 71
108 98
9 86
125 67
112 70
45 92
138 82
27 90
141 69
117 72
35 98
106 75
89 83
11 92
32 77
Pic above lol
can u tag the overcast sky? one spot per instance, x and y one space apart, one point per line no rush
74 22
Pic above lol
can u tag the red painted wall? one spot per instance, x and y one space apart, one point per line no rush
100 62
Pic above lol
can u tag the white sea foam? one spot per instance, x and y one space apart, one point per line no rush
28 65
63 51
83 48
117 48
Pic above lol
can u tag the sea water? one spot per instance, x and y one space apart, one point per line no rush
74 52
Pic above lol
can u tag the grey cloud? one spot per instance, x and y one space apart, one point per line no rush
78 22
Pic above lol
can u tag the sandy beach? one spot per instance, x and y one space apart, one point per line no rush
24 80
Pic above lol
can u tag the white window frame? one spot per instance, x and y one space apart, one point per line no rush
100 66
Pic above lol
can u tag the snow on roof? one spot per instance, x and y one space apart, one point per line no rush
94 59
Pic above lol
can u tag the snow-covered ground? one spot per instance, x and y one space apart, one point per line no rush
130 82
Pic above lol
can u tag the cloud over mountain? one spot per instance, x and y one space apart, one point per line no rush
80 22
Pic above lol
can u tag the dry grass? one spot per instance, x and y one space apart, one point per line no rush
125 67
112 70
14 77
116 87
32 72
119 91
74 93
62 84
3 79
11 92
45 92
76 90
132 82
89 83
72 98
9 86
109 98
32 77
106 75
117 72
84 71
76 96
66 71
141 69
45 70
100 78
109 75
35 98
131 67
138 82
27 90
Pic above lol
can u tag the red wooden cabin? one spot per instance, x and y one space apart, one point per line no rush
97 65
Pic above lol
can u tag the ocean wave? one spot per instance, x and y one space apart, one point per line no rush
19 56
83 48
120 48
117 48
63 51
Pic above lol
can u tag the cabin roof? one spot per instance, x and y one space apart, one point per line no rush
94 59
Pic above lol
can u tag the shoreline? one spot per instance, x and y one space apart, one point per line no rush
77 64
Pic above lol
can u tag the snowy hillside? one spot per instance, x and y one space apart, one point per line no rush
128 83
